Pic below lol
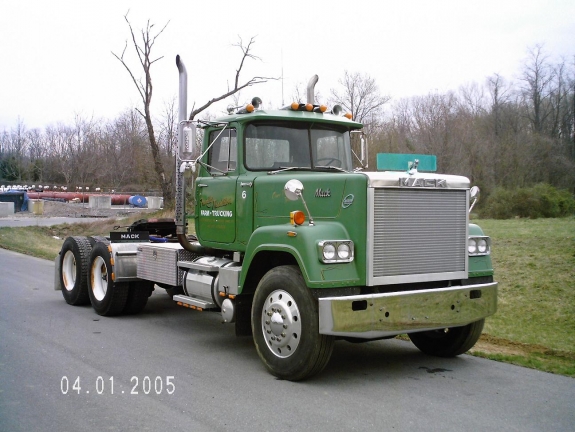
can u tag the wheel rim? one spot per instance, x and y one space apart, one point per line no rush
281 324
99 278
69 271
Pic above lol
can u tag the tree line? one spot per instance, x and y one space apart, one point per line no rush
500 133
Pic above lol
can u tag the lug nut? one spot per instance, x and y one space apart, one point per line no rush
283 334
285 326
268 322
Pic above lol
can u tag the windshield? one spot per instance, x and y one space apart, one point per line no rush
273 146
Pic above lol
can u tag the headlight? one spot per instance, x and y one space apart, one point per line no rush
329 251
472 246
335 251
478 246
343 251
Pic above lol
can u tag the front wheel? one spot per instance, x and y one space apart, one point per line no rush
285 326
448 342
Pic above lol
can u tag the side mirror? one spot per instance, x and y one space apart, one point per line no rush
293 189
473 197
188 149
363 157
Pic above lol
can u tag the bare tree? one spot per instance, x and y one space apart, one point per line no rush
145 89
538 77
246 54
361 97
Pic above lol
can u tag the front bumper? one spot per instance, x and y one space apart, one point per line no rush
374 316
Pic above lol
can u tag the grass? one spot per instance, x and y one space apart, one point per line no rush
534 263
48 240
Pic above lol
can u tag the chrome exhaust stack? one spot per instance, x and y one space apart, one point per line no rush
180 211
310 89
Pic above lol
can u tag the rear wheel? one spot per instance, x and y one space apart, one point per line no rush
448 342
107 298
138 294
74 258
285 326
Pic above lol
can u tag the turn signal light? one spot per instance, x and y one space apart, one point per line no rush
294 106
297 217
249 108
347 115
308 107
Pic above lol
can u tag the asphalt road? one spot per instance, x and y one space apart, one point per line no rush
191 373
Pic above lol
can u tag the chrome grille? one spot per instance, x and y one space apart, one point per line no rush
419 234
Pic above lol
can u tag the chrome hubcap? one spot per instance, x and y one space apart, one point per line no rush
281 324
99 275
69 271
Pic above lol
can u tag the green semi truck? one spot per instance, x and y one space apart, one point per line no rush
297 244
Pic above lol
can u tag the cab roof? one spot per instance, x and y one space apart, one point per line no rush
290 115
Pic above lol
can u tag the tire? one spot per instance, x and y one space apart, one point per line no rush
95 239
74 258
174 290
448 342
138 294
107 298
285 326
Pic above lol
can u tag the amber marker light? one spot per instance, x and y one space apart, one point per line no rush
347 115
323 108
297 217
294 106
250 108
308 107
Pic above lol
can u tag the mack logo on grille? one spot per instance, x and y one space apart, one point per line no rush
422 182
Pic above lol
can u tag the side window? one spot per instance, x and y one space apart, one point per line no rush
222 156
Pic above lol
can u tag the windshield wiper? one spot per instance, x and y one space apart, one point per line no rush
281 169
330 167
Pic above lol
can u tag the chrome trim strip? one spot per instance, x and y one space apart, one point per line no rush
379 179
389 314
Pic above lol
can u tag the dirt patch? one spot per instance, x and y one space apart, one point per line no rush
494 345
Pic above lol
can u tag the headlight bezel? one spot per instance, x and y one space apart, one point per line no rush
478 245
340 253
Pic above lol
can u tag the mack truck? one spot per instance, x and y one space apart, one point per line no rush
281 229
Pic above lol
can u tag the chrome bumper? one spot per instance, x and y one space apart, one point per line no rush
379 315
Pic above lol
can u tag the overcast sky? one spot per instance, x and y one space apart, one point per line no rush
56 61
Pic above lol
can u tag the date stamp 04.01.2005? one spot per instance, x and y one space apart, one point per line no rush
138 385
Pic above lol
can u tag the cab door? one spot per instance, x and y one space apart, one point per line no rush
216 189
